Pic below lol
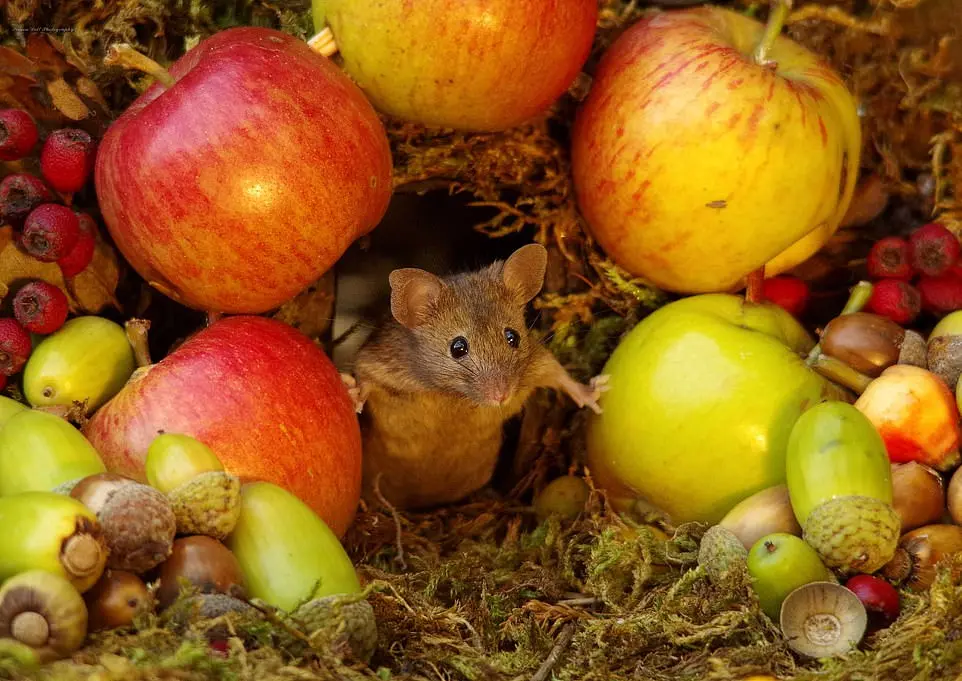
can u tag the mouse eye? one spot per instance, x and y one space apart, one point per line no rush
459 347
513 337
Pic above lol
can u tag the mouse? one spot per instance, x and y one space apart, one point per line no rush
436 381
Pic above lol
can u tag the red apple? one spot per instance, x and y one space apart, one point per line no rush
695 163
243 181
481 65
262 396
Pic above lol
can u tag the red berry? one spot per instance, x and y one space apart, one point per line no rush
50 232
82 254
20 193
933 249
941 295
15 346
67 158
219 648
18 134
40 307
890 259
790 293
880 599
896 299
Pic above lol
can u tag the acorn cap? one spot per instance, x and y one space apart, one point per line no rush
914 351
208 504
360 625
721 553
823 619
944 358
853 533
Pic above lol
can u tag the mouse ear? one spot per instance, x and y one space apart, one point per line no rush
413 292
523 272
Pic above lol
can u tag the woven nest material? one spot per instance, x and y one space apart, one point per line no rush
483 590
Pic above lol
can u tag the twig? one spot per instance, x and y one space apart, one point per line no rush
584 600
397 521
561 644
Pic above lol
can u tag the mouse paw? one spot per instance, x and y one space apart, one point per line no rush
588 395
354 391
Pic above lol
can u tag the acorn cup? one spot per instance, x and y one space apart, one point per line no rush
45 612
823 619
945 349
204 497
919 551
870 343
840 482
137 520
348 623
721 554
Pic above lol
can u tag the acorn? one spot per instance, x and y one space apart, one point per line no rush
45 612
52 532
116 600
954 497
765 512
823 619
721 554
918 495
869 343
203 562
204 497
918 553
840 483
59 453
137 520
565 496
349 621
945 349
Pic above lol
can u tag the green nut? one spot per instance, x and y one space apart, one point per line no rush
359 630
854 534
209 504
835 451
88 358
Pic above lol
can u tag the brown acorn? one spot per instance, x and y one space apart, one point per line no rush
116 600
870 343
203 562
918 495
137 520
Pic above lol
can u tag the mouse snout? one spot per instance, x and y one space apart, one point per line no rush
496 391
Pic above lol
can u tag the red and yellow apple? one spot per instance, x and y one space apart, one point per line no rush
242 181
694 165
479 65
265 399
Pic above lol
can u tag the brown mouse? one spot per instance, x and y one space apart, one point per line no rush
435 383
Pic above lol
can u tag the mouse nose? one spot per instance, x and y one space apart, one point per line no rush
497 393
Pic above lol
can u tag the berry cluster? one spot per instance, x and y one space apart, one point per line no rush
920 273
46 228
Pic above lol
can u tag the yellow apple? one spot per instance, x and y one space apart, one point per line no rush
695 164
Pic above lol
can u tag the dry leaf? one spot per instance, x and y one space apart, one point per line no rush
66 100
311 311
90 291
44 53
89 89
12 63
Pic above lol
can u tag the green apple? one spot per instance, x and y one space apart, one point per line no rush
703 394
779 563
9 407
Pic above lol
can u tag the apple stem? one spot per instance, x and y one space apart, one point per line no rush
754 284
137 335
323 42
213 316
125 55
776 20
858 298
841 373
